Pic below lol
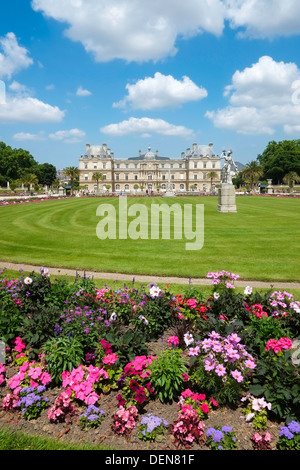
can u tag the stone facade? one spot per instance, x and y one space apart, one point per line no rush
149 171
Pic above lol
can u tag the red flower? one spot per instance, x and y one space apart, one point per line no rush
205 407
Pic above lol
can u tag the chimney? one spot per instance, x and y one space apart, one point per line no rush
104 146
194 147
211 145
87 147
156 153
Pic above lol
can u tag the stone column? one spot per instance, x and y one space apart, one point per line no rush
227 202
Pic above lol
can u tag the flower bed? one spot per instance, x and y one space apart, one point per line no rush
144 365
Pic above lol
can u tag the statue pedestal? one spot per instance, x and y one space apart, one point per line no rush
169 194
227 198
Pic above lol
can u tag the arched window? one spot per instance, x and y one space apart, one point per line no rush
117 187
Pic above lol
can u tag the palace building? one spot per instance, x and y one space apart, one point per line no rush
198 169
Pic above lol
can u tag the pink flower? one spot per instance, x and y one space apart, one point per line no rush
174 340
192 303
91 398
237 376
35 372
110 359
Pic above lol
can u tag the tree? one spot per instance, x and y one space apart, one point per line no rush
252 172
291 178
29 179
97 176
46 174
279 159
15 162
71 172
212 175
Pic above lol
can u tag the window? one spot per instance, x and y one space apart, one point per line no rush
195 165
104 166
135 177
149 177
204 176
126 187
195 177
204 165
117 177
182 187
163 177
85 166
181 176
214 165
180 165
117 187
95 166
163 186
126 177
172 177
86 177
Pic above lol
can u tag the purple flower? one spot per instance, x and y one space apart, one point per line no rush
285 432
294 427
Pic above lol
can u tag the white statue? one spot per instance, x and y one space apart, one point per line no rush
226 175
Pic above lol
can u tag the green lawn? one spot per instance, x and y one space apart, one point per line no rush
261 241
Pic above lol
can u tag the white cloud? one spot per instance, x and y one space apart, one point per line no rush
261 98
28 109
14 57
68 136
133 30
263 19
161 91
24 136
82 92
146 126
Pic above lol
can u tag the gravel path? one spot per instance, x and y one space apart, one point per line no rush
148 279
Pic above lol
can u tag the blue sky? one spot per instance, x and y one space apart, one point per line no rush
133 73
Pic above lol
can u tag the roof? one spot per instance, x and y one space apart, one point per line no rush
97 151
149 156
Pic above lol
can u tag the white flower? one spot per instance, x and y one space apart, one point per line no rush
155 291
216 295
144 320
188 338
27 280
113 316
248 290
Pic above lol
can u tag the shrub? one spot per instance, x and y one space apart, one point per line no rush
152 428
188 429
289 437
62 410
168 375
221 438
221 367
92 417
31 402
277 379
61 354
